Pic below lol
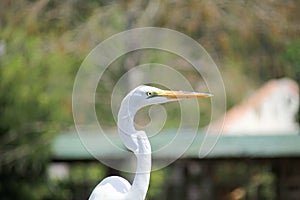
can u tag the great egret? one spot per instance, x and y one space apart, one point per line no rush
118 188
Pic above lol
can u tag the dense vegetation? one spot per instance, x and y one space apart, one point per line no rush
42 44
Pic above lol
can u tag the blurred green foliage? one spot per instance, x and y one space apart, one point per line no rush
35 87
251 180
291 57
79 182
43 43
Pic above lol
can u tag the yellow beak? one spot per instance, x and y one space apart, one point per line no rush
182 94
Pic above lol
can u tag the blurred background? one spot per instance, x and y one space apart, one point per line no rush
43 43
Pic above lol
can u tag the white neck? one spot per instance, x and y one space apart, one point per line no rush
136 141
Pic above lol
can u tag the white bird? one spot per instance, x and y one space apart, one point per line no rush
118 188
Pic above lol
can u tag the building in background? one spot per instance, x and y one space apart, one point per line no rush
272 109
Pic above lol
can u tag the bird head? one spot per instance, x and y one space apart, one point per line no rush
147 95
138 98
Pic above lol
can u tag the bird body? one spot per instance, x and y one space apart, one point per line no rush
118 188
113 187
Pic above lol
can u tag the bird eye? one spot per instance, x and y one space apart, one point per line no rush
149 94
